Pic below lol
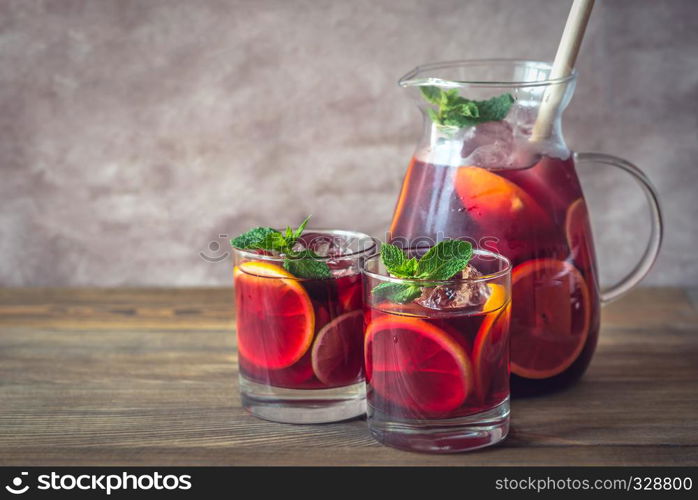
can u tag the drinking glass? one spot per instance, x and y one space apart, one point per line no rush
437 369
300 341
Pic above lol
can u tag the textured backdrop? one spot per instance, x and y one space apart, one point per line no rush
133 133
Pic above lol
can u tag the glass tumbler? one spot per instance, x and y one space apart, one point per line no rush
437 368
300 340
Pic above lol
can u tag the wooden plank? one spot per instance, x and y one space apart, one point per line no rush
375 455
124 309
146 390
648 308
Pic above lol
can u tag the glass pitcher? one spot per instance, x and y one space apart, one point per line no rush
492 167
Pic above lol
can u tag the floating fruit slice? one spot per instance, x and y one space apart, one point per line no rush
350 292
490 198
578 233
275 318
404 196
337 353
497 298
491 344
538 180
416 365
411 309
550 317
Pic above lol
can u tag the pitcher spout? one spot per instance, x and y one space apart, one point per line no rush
494 113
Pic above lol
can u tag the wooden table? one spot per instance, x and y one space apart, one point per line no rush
148 377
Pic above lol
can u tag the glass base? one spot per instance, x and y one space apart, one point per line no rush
303 406
451 435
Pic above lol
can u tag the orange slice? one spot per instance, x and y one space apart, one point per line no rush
416 365
350 292
275 318
337 353
491 343
497 298
578 233
494 201
404 194
550 318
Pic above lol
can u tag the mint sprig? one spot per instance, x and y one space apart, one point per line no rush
253 238
302 264
441 262
402 293
456 111
444 260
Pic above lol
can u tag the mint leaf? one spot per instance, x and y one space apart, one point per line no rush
441 262
387 290
456 111
274 242
304 265
402 293
252 238
444 260
408 294
495 109
398 265
434 115
297 233
392 257
291 236
406 269
431 94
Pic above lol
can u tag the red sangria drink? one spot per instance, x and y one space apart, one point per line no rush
299 324
492 166
481 172
544 231
437 347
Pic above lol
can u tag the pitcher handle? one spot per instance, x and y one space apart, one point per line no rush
612 292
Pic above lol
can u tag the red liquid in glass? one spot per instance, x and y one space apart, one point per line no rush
435 364
270 321
535 216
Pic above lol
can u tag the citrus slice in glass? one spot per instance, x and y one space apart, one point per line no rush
275 319
350 292
490 198
491 343
578 233
416 365
337 353
550 317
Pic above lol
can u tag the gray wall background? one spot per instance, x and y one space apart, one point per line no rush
133 133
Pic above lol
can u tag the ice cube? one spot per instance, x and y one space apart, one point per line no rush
457 295
526 152
331 248
323 245
489 144
340 268
522 118
524 155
